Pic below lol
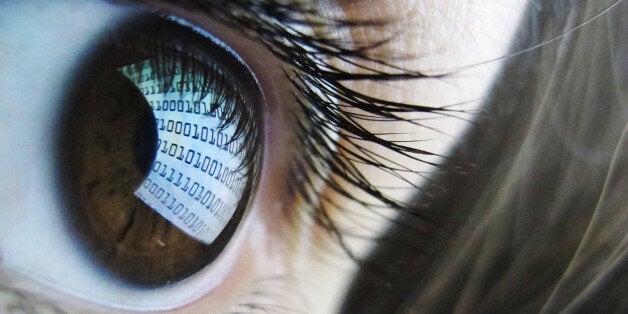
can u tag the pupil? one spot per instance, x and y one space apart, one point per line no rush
145 139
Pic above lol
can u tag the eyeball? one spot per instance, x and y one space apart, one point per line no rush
145 154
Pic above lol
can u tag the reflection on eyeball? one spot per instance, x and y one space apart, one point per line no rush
158 171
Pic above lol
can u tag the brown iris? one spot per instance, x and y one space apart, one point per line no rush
110 144
108 141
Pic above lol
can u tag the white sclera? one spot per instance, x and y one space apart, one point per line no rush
194 180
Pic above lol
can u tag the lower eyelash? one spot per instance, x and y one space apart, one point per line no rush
271 294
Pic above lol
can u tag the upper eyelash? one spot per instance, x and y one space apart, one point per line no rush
226 99
319 91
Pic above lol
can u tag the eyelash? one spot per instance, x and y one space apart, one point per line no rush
322 97
214 82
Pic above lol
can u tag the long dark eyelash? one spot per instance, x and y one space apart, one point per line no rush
320 91
204 77
323 97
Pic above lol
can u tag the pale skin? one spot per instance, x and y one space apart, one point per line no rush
444 37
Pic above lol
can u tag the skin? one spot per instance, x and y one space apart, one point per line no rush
442 35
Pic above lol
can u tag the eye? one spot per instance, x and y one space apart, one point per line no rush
143 146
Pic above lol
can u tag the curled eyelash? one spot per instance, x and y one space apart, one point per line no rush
202 75
332 115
